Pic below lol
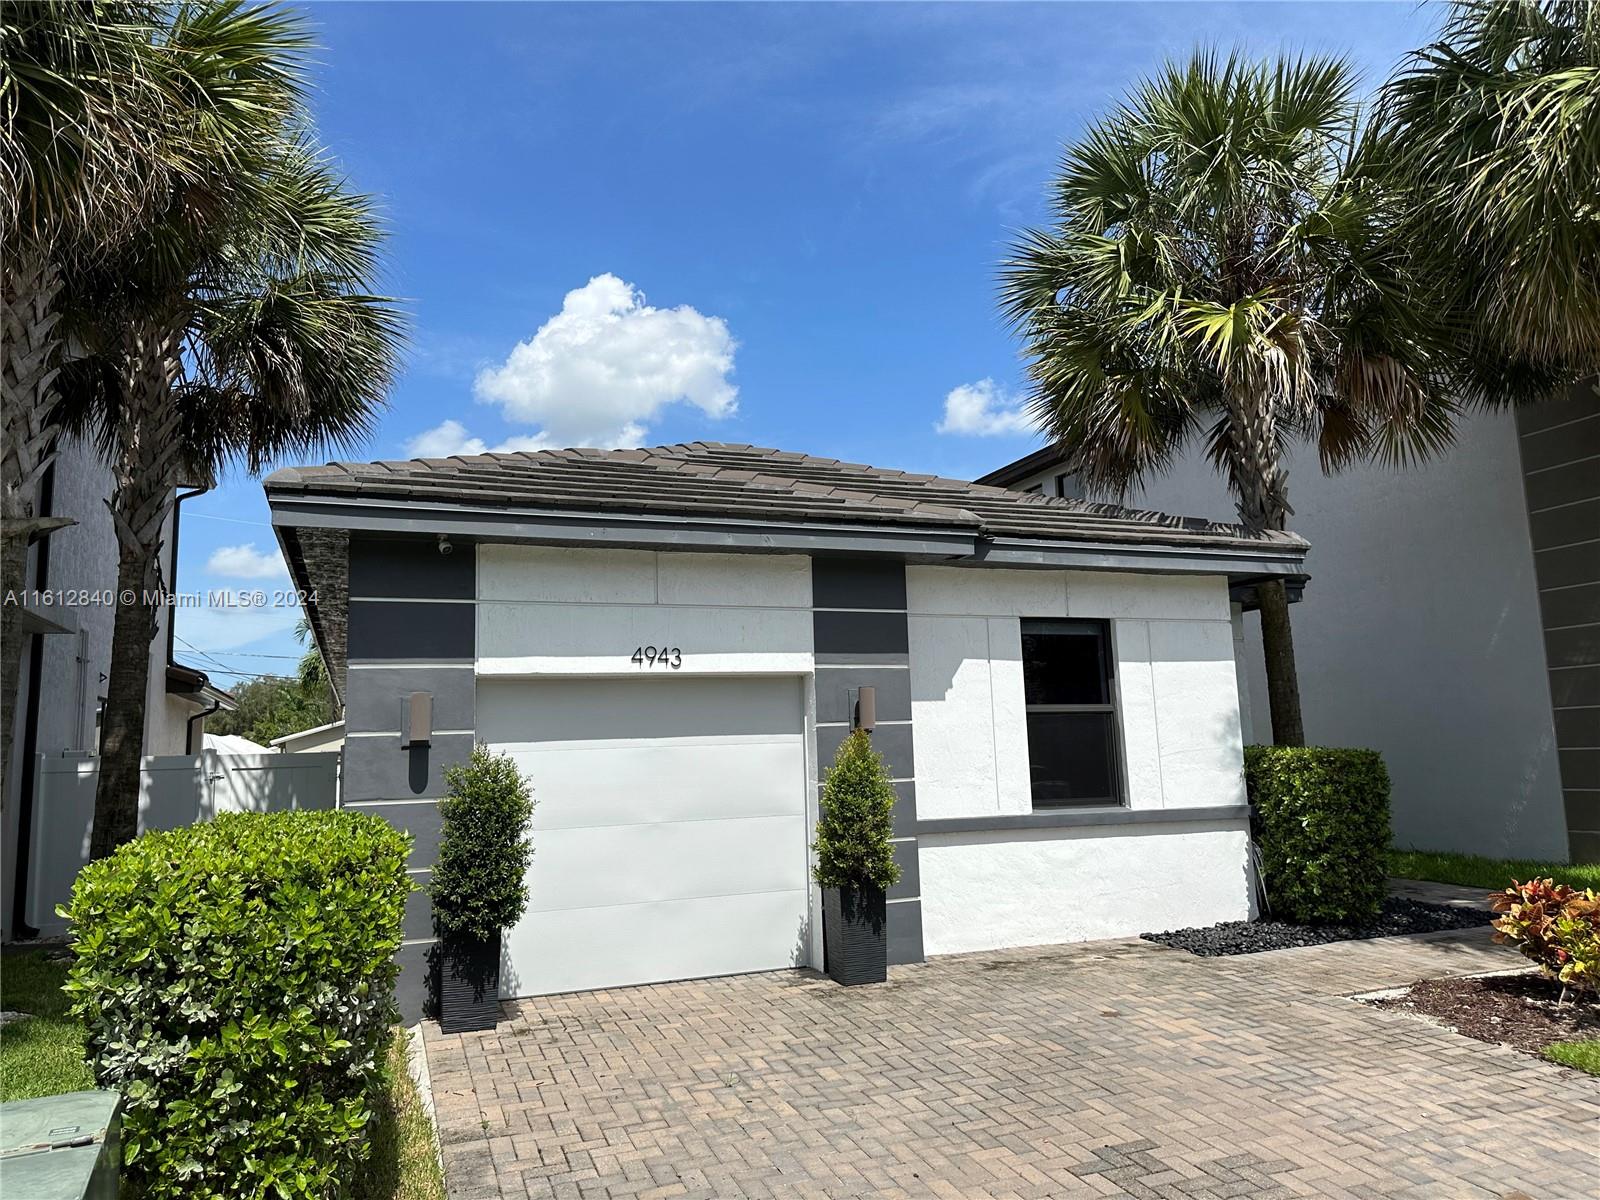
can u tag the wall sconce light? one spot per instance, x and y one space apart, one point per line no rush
416 722
867 709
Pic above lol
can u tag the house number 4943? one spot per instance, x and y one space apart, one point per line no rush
653 656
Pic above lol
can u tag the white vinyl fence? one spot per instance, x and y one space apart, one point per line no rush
174 790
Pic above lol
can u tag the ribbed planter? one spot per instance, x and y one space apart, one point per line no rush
469 983
855 944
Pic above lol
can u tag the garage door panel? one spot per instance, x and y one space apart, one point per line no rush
584 949
632 864
517 711
631 784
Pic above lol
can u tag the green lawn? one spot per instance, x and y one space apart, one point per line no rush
1493 874
1583 1055
42 1056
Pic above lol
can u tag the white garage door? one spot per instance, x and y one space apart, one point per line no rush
669 828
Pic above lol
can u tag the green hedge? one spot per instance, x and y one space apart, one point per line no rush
1322 823
237 982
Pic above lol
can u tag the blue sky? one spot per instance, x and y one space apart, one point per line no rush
777 224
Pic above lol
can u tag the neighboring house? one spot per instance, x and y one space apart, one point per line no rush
1453 623
65 665
671 643
307 741
233 743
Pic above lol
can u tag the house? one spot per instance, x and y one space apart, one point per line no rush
307 741
1454 624
671 643
65 665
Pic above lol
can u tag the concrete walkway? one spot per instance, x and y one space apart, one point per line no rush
1099 1069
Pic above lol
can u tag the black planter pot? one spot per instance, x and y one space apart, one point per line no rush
469 983
855 946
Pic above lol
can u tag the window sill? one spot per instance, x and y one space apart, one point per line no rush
1070 818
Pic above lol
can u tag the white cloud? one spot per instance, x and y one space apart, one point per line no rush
444 440
246 562
983 409
599 371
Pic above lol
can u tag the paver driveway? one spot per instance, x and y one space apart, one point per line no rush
1099 1069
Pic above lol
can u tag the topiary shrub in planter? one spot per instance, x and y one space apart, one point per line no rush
479 883
1553 925
1322 823
855 862
236 979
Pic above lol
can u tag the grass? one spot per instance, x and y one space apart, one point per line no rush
43 1055
1583 1055
404 1165
1492 874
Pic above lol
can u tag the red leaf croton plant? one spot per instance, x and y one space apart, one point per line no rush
1554 925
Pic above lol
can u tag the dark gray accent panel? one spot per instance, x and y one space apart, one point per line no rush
1573 647
421 821
905 810
905 855
412 569
1583 813
1069 818
419 912
1578 728
1568 565
1579 402
1573 687
1580 769
1567 525
860 632
835 686
1582 846
404 631
377 697
376 768
411 989
891 741
1561 485
1555 447
1570 606
857 583
904 922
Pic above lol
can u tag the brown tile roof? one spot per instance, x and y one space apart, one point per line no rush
720 480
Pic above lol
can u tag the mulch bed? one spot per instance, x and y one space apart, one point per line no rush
1399 916
1520 1011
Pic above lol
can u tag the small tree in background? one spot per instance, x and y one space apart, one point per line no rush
855 846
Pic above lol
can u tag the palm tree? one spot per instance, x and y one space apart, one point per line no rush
1221 267
1495 132
82 98
238 329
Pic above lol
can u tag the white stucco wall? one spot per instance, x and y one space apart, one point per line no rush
1419 636
982 891
1176 688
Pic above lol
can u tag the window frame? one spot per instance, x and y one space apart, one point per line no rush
1105 631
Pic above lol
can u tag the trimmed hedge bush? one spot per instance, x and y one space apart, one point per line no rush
855 844
480 881
236 979
1322 824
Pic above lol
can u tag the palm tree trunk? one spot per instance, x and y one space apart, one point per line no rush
1261 486
29 284
147 477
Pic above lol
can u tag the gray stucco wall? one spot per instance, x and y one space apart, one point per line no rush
1420 636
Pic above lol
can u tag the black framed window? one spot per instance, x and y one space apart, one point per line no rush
1072 716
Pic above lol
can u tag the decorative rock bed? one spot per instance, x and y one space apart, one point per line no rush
1399 916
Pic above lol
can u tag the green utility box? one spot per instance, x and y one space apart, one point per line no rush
61 1147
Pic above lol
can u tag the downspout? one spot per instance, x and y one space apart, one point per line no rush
188 729
27 773
172 567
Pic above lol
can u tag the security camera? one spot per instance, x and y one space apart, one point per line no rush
444 544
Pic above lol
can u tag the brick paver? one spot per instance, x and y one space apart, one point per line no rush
1100 1069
